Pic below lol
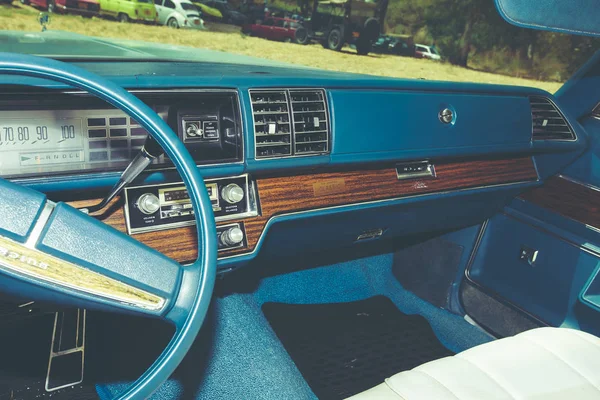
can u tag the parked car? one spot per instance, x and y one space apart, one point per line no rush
430 52
83 7
401 45
129 10
209 13
178 14
229 15
335 23
273 28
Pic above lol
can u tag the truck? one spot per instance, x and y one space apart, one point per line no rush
335 23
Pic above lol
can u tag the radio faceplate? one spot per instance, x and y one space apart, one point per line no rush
166 206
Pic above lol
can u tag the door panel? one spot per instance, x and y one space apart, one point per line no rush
547 288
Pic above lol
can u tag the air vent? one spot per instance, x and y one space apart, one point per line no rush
596 111
309 116
290 122
548 122
272 127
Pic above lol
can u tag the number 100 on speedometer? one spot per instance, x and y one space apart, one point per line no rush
40 142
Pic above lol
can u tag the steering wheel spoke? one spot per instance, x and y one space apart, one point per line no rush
87 262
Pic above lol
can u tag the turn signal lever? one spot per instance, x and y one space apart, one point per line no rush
150 151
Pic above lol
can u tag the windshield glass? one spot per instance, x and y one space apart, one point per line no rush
188 7
451 40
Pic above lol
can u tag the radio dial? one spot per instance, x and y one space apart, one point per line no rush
232 193
232 236
148 203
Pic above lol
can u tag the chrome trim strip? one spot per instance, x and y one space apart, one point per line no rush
587 185
478 240
40 224
382 201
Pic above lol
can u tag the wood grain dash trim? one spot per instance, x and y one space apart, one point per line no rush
567 198
286 194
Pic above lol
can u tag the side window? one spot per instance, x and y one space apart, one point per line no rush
421 49
268 22
169 4
279 23
158 2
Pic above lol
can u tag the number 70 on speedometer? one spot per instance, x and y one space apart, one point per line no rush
44 135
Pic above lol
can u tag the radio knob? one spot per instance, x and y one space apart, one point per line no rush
232 193
232 236
148 203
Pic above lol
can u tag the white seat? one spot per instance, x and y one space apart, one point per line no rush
544 363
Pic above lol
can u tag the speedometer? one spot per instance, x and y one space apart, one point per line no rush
47 141
39 142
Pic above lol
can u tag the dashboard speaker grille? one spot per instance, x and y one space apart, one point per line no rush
290 122
548 122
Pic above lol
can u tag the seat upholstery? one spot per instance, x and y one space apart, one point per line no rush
544 363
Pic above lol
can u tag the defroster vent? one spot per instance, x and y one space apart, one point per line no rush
292 122
548 122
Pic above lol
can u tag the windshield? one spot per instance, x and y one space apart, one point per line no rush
189 7
418 39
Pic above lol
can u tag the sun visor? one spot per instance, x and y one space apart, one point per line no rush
580 17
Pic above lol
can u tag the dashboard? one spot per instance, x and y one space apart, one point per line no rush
291 164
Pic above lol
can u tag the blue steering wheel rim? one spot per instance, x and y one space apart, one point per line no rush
191 306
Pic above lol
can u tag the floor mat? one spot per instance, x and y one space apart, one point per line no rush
344 348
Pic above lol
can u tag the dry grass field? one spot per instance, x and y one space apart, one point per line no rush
229 39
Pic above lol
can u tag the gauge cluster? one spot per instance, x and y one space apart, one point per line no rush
79 133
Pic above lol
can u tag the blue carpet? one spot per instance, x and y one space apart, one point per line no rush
246 360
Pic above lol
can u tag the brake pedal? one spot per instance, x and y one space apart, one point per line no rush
65 365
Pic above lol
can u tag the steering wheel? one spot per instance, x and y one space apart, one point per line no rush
52 251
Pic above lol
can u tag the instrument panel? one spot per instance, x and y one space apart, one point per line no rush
84 135
35 142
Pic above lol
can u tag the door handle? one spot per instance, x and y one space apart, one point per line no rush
528 255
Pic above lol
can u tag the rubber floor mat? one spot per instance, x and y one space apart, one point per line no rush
342 349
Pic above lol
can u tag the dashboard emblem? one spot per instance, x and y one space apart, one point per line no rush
446 116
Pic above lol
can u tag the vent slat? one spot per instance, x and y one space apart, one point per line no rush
547 121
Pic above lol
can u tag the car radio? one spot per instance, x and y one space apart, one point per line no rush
156 207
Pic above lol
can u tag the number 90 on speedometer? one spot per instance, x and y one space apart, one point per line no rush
39 142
